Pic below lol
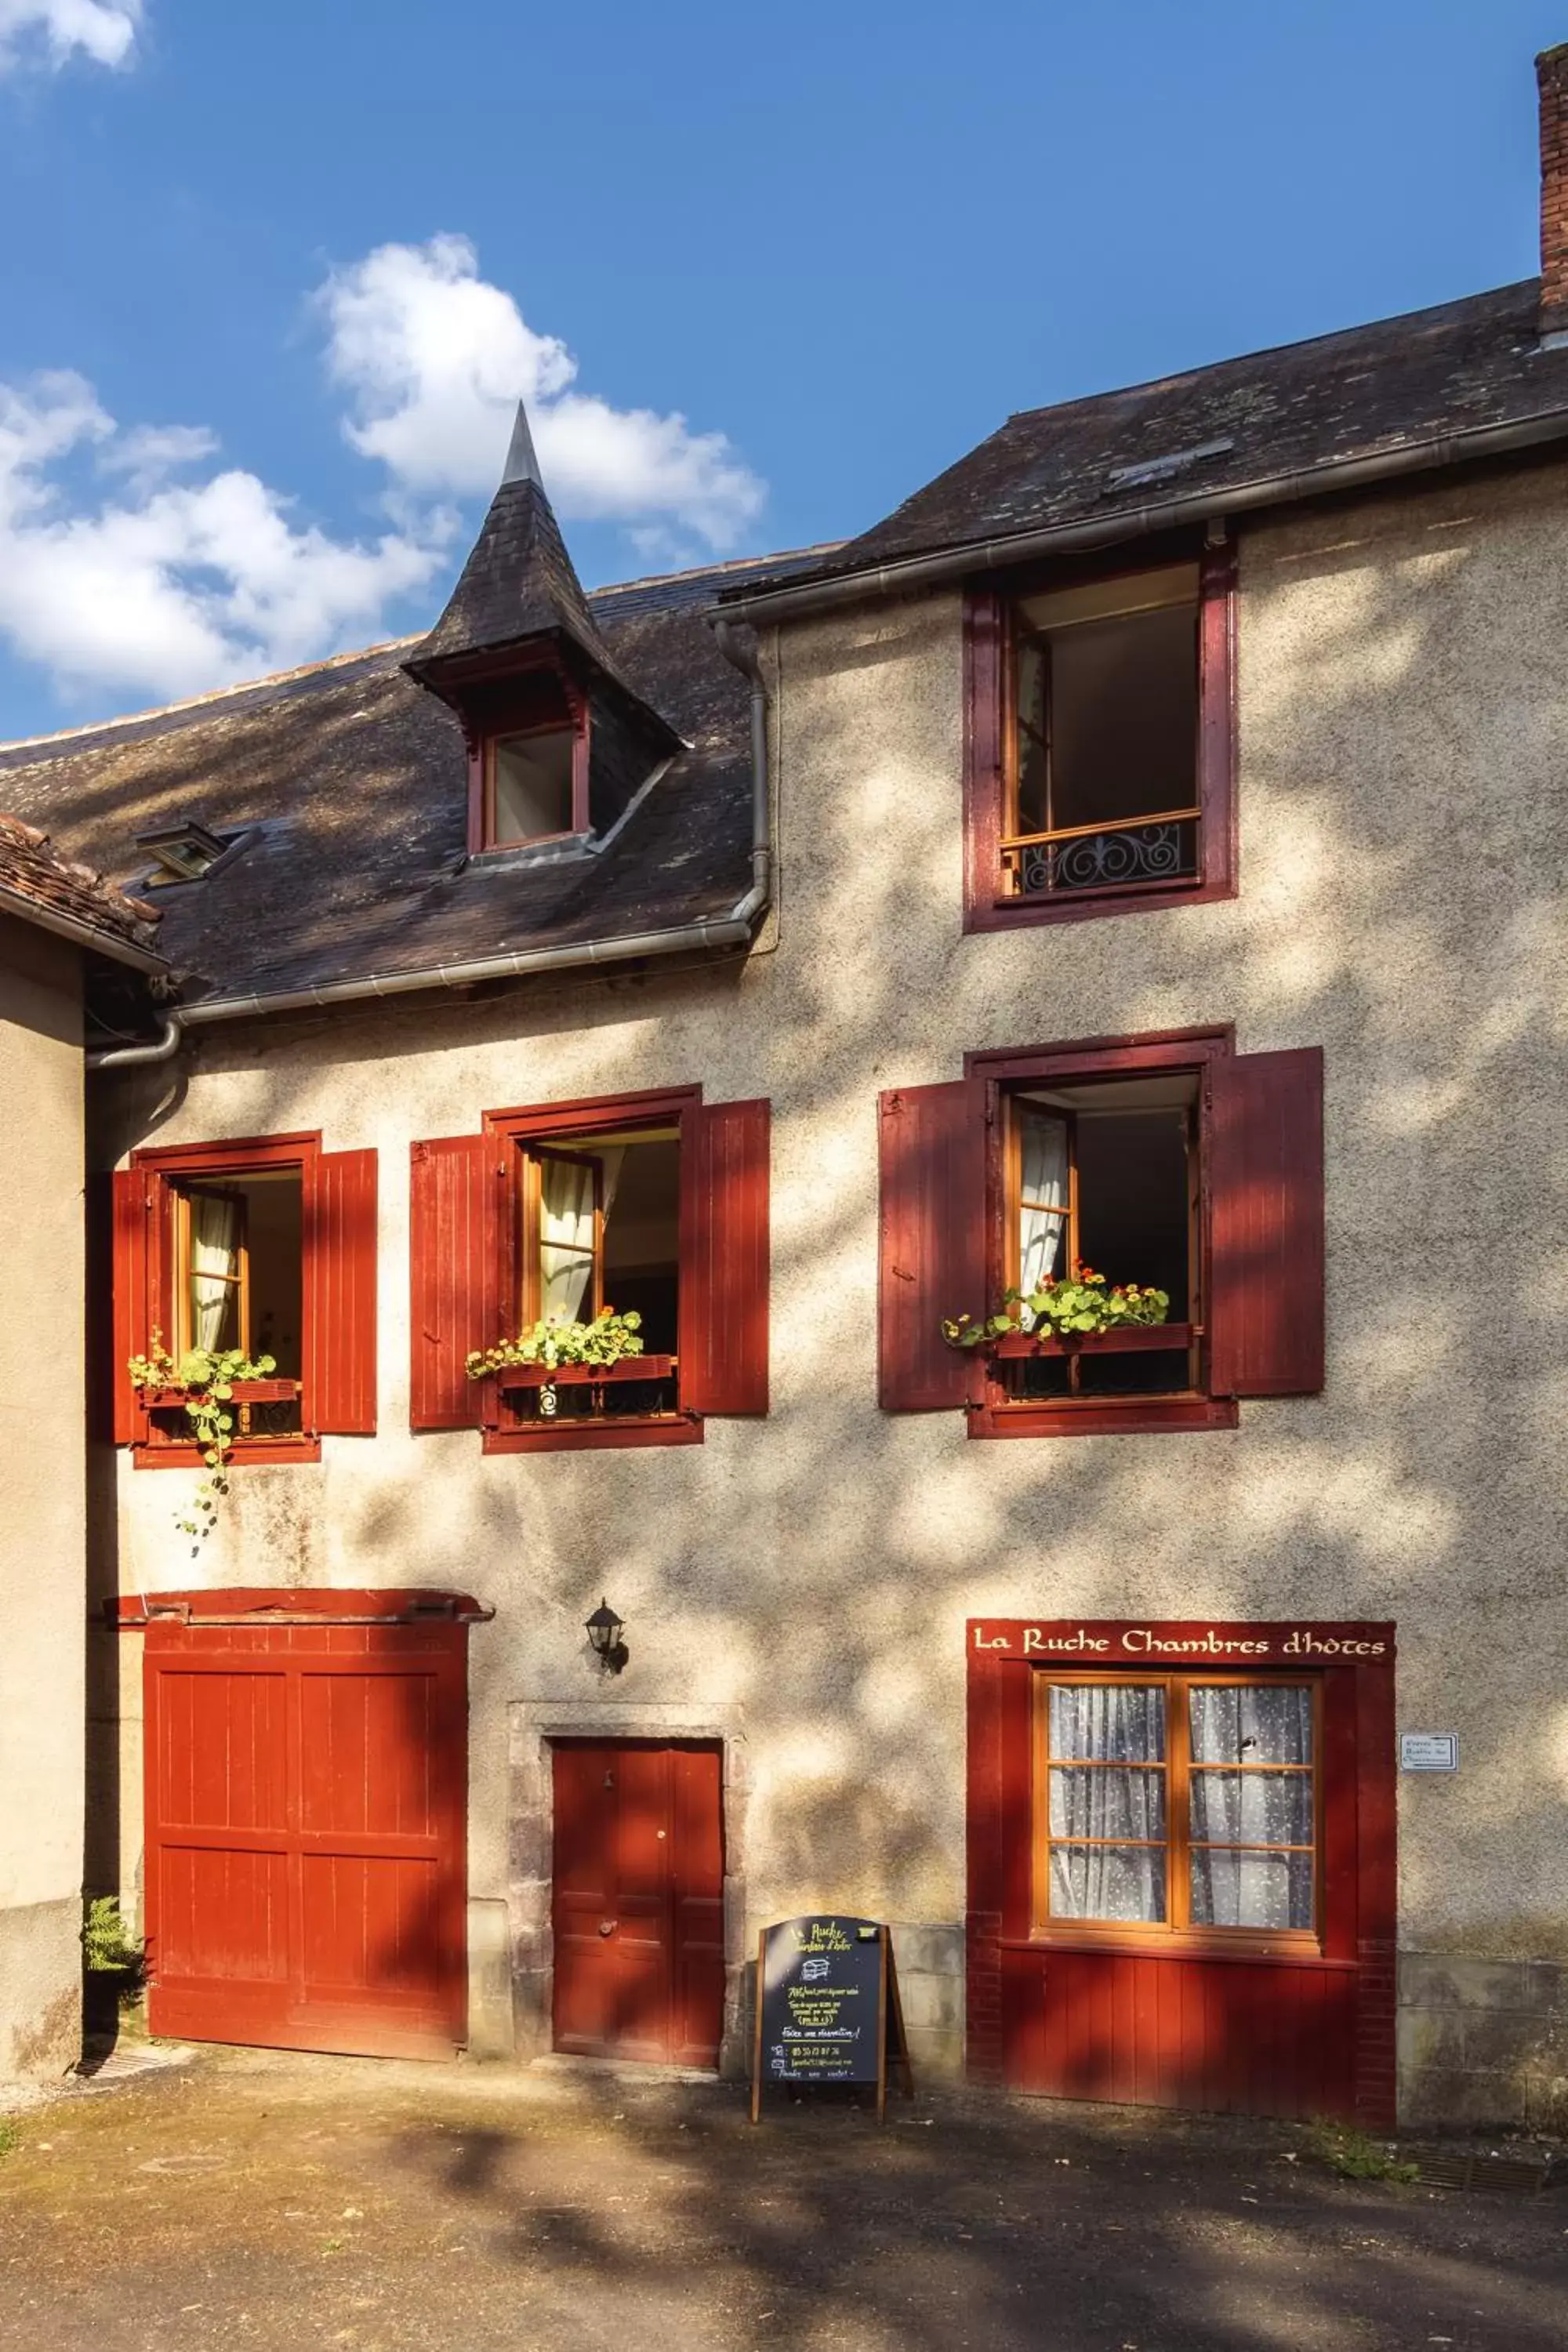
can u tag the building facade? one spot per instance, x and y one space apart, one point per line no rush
1144 851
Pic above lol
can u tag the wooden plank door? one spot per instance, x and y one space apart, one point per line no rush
639 1901
306 1801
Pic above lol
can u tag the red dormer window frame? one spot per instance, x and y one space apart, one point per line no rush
482 735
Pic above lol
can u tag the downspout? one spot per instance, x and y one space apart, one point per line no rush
742 652
163 1048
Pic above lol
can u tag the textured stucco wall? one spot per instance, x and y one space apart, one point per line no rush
42 1504
1403 732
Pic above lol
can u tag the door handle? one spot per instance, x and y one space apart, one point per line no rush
608 1926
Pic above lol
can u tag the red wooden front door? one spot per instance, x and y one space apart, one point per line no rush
639 1901
306 1795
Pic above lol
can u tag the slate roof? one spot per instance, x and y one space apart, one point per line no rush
1426 376
343 788
518 582
36 878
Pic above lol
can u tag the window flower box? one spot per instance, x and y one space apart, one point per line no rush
1124 1339
512 1377
175 1400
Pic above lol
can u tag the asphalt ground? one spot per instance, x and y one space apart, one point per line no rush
253 2201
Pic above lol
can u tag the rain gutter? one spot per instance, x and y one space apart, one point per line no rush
950 563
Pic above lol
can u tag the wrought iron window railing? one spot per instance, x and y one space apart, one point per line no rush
1122 852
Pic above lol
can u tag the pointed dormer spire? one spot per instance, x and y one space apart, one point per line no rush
521 460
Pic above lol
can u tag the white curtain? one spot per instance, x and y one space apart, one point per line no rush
1042 1192
215 1269
1239 1812
566 1230
1115 1796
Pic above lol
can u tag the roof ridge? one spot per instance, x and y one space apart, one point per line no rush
725 563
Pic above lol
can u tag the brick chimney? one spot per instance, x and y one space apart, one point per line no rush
1551 77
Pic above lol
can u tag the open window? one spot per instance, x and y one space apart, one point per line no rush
655 1205
267 1247
239 1282
1174 1164
1106 1173
527 759
1099 742
529 787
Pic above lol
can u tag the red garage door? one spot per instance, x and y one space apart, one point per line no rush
306 1788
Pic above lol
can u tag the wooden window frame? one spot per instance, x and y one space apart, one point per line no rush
172 1168
549 1127
989 743
991 1412
1177 1931
482 747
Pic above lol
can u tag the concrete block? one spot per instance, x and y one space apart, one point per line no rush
40 1989
931 2002
491 2030
1448 1980
931 1950
1449 2097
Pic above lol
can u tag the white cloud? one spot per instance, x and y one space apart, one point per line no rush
172 587
434 360
55 30
130 564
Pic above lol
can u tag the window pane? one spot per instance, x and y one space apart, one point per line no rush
1124 709
531 785
216 1235
1252 1808
1042 1197
1032 817
1123 1723
1108 1882
1104 1801
1236 1889
1251 1723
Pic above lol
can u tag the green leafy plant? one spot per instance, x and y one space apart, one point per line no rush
553 1341
1082 1302
206 1380
10 2137
106 1946
1355 2156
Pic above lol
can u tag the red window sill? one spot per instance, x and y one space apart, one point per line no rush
172 1453
1132 1338
598 1436
1102 1416
1018 913
512 1377
1266 1952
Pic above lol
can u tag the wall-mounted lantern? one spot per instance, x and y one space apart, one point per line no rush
604 1630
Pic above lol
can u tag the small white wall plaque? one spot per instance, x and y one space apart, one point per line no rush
1428 1751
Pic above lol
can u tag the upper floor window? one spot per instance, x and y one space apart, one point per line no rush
1097 756
1170 1164
266 1247
652 1207
531 787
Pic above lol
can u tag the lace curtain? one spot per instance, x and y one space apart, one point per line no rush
1118 1801
1251 1791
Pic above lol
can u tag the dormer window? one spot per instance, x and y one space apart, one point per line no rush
536 786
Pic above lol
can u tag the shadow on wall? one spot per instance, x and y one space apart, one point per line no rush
1397 908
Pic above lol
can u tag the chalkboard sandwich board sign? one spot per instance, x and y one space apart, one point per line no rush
828 2007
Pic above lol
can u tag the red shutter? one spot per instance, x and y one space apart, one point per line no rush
932 1241
456 1241
1266 1191
339 1293
136 1193
724 1264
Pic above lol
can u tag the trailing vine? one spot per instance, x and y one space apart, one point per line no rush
206 1381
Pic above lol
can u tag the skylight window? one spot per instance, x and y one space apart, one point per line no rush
183 852
1156 469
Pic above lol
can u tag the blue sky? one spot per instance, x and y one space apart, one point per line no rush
272 274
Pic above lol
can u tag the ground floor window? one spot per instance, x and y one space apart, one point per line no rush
1179 1802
